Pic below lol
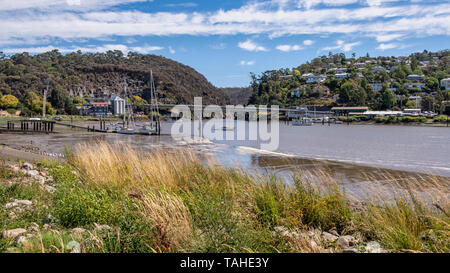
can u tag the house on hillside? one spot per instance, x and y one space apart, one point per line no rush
322 90
415 85
416 78
311 78
377 86
378 69
445 83
341 76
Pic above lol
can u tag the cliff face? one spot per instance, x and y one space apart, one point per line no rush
89 74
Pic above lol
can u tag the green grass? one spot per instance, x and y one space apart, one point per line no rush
173 202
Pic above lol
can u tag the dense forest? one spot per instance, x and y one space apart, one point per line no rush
75 76
380 83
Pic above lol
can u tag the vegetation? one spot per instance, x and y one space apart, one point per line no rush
288 87
76 74
172 201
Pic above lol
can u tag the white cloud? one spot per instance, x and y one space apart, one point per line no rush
342 46
102 48
32 22
388 37
58 5
171 50
247 63
386 46
287 48
308 42
251 46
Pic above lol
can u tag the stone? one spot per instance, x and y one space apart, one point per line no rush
346 241
32 173
49 188
329 237
16 203
40 179
373 247
334 232
34 227
13 233
27 166
350 250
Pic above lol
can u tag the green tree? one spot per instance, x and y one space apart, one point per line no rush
432 83
8 101
389 99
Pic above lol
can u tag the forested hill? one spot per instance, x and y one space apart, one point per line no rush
380 83
77 75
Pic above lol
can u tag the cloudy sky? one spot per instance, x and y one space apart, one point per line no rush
226 40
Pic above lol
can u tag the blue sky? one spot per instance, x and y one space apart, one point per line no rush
226 40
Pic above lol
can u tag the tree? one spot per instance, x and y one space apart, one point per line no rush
8 101
389 99
58 97
432 83
352 94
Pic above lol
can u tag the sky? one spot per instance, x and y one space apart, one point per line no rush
226 40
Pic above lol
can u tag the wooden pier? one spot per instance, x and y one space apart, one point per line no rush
28 126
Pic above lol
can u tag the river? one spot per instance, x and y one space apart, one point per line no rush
349 152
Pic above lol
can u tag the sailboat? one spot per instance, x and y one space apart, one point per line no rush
128 123
153 127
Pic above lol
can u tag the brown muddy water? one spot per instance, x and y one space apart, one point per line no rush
355 156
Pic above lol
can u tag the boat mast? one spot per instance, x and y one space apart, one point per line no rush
154 109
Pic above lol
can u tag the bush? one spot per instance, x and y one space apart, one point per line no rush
440 119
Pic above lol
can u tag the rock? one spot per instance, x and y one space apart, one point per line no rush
329 237
40 179
27 166
50 189
350 250
334 232
373 247
13 233
346 241
74 247
34 227
16 203
23 239
78 231
32 173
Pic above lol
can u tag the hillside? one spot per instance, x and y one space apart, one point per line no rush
380 83
238 95
100 74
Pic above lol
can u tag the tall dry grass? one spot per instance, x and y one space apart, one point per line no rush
189 200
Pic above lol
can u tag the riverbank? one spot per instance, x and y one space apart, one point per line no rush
111 199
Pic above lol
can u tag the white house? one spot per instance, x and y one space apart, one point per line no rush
311 78
341 70
377 86
341 76
378 69
445 83
416 78
415 85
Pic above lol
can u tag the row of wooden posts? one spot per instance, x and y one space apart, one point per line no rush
32 125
